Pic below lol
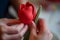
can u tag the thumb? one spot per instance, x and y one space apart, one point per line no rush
40 26
32 26
12 21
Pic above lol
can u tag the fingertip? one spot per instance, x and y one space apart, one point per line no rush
41 20
32 24
20 26
26 27
23 31
21 23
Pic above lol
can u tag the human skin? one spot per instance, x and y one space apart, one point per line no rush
14 31
40 31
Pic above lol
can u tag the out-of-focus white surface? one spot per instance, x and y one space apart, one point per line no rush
52 23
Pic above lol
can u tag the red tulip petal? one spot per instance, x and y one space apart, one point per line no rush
26 15
34 9
21 6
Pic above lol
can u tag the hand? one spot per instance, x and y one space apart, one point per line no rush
39 32
12 32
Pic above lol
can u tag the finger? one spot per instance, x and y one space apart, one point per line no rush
33 28
10 21
13 21
20 27
10 37
8 29
22 32
32 25
3 26
40 26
